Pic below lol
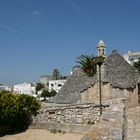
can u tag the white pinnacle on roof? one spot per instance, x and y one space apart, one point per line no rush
101 43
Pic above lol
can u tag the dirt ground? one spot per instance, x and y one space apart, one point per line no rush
40 134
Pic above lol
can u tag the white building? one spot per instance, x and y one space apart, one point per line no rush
25 88
56 84
132 57
5 87
45 79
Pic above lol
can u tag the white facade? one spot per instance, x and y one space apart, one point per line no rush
4 87
25 88
56 85
45 79
132 57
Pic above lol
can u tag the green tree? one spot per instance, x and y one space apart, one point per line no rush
39 86
87 64
56 74
16 110
137 65
45 93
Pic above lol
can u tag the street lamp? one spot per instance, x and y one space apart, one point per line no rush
99 61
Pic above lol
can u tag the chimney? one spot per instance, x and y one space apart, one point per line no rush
114 51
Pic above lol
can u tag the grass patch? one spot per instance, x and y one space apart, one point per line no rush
55 131
90 122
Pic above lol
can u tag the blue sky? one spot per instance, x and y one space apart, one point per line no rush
37 36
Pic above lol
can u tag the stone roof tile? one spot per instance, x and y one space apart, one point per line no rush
76 83
119 72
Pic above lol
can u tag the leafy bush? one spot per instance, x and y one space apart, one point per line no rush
53 93
39 86
137 65
16 110
46 93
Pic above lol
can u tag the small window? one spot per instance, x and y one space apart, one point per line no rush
51 112
59 85
52 85
103 51
99 51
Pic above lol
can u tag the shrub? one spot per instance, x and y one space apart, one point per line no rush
53 93
55 131
45 93
16 110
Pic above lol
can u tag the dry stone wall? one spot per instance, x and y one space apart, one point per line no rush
72 114
111 125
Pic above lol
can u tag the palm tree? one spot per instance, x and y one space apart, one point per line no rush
87 64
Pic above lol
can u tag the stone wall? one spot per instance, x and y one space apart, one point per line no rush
132 100
112 123
72 114
85 118
91 95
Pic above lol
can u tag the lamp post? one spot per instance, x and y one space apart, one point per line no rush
99 61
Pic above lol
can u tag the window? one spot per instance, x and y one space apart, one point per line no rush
99 51
103 51
59 85
51 112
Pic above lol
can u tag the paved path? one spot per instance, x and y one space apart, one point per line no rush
133 123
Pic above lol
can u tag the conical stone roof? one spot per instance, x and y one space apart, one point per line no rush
119 72
76 83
